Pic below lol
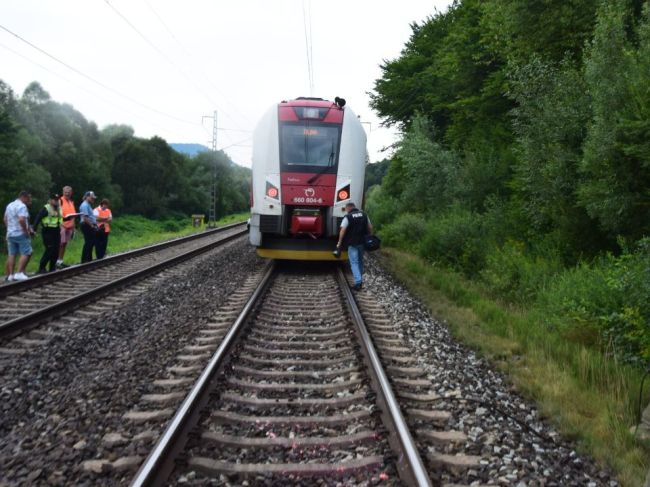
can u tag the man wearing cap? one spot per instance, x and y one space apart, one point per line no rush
67 227
51 218
88 226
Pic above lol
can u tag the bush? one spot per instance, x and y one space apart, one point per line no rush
404 233
135 225
610 298
513 273
172 225
456 238
380 207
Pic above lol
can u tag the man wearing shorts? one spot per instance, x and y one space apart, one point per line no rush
67 227
19 235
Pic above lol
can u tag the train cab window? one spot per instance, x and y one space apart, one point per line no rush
307 146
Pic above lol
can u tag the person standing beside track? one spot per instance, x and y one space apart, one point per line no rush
88 226
354 227
104 218
51 218
67 227
19 233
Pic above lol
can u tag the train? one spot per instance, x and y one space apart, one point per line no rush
308 162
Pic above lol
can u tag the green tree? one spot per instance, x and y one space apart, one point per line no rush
375 173
550 123
17 171
232 182
446 73
45 145
519 30
430 172
615 167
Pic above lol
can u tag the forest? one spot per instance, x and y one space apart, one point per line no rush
45 145
524 161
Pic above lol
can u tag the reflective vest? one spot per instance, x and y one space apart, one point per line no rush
103 214
67 208
53 219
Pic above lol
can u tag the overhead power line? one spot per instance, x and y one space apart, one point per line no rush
158 50
308 47
95 95
93 80
238 144
234 130
198 67
311 49
162 54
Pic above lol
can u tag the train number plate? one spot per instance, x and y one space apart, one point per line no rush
306 199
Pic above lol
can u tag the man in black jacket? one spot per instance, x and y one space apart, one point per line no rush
354 227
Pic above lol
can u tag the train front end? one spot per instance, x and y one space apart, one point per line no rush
309 158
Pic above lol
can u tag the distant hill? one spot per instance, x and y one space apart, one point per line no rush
189 149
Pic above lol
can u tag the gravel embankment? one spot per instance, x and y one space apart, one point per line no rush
58 402
517 446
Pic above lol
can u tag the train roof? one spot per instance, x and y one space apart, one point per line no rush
308 102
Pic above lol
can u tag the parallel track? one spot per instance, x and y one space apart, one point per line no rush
294 392
25 304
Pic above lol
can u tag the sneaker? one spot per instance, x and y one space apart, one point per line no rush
9 278
61 265
357 287
20 276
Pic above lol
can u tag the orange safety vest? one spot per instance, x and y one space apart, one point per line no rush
103 214
67 208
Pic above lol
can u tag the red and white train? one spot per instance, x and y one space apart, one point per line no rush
309 158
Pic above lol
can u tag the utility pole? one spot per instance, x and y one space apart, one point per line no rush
212 215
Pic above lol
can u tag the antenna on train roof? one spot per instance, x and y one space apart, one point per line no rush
340 102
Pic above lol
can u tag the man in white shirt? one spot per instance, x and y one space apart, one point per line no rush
19 234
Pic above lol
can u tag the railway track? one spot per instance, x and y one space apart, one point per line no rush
26 304
294 394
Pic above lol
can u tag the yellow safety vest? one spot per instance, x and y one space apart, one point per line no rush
53 219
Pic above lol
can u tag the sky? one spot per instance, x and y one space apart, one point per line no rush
160 66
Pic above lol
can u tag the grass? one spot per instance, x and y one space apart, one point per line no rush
127 233
588 395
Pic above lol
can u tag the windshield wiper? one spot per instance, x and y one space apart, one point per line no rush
330 162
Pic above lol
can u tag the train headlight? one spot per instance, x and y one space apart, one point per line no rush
343 194
271 191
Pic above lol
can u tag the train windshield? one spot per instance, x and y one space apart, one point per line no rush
308 146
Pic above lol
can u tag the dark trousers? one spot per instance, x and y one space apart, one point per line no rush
51 242
101 244
90 240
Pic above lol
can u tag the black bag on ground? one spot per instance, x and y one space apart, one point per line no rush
371 242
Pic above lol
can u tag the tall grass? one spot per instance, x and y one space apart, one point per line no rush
128 232
589 393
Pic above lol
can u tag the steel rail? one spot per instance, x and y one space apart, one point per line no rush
409 464
57 309
42 279
160 462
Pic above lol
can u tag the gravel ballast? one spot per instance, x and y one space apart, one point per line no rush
63 402
59 401
517 446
